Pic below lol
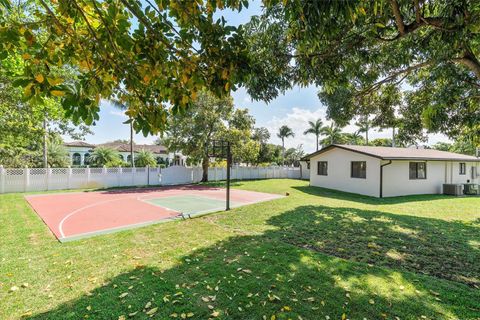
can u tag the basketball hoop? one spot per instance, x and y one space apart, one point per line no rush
221 149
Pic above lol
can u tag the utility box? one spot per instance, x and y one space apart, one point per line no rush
470 188
452 189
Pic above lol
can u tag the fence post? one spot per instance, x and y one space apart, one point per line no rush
134 171
2 179
26 181
119 176
148 175
49 171
88 175
69 177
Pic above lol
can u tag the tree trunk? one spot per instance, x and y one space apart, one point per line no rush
132 156
366 137
45 154
317 141
283 151
205 169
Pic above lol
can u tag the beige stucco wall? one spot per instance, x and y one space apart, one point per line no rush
339 172
396 180
452 172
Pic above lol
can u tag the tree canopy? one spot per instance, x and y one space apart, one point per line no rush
156 56
412 64
212 118
417 61
25 123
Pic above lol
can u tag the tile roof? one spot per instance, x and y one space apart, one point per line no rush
389 153
120 147
79 144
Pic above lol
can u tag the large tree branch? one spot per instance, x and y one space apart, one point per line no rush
418 15
471 62
398 17
434 22
394 75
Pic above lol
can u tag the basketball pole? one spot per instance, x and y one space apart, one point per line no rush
229 164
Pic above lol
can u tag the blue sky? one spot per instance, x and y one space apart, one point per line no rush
294 108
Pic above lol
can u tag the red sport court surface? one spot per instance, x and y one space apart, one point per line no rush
75 215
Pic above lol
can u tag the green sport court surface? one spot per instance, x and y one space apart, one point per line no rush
76 215
191 204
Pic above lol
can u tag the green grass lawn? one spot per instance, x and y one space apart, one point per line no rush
316 254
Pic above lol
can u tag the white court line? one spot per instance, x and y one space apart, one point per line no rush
60 225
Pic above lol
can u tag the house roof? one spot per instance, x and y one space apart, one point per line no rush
120 147
79 144
125 147
389 153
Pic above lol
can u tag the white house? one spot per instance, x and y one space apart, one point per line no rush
79 151
388 172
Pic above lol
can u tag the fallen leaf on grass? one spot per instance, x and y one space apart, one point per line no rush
151 311
27 314
123 295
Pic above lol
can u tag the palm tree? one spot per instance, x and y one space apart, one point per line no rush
284 132
103 155
261 135
145 158
364 125
57 155
123 107
315 128
354 138
333 134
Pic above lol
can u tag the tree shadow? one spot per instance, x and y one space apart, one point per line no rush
340 195
249 277
443 249
150 189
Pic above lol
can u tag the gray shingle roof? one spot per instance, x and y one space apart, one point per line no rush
389 153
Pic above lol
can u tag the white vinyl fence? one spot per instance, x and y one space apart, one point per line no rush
42 179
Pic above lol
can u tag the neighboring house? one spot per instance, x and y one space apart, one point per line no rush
388 172
79 152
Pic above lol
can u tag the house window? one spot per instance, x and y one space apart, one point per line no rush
463 168
308 165
322 169
418 170
76 159
359 169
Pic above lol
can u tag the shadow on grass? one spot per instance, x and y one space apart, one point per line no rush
149 189
248 277
340 195
422 245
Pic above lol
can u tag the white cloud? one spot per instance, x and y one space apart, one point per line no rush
118 114
298 119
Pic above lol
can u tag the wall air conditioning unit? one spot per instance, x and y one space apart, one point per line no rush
452 189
